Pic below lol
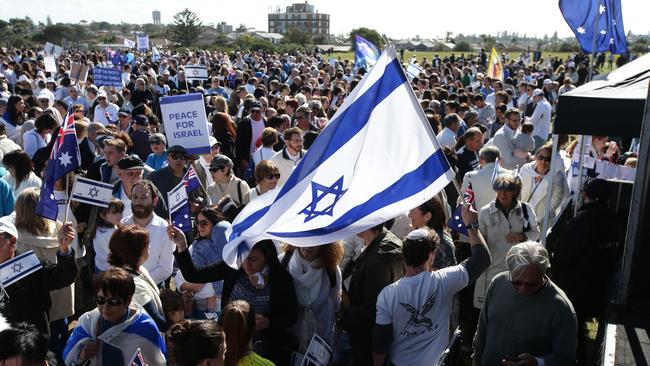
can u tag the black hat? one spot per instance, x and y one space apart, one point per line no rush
597 189
141 120
176 149
130 162
123 112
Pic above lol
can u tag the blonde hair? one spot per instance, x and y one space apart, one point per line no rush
26 218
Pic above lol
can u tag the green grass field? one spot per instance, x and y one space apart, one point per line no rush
429 55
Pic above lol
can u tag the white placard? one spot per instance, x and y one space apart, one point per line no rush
185 122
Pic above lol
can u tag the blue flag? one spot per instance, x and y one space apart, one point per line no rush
64 159
336 190
600 18
365 53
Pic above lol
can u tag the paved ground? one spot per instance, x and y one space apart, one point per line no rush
623 352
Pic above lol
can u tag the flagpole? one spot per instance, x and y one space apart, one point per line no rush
67 195
578 199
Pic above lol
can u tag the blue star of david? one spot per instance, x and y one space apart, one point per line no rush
93 192
17 267
318 192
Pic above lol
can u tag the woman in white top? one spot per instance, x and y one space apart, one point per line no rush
21 172
40 135
267 175
536 176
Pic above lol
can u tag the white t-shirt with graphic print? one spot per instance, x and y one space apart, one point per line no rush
418 308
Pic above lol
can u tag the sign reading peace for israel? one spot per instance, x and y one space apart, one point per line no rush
105 76
185 122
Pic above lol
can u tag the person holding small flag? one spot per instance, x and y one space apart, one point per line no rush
26 281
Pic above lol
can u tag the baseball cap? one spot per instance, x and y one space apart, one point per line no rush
141 120
176 149
130 162
8 227
547 81
538 92
213 141
123 112
101 94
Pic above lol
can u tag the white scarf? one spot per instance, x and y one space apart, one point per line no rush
308 278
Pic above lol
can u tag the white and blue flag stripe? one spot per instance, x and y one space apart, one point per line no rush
92 192
377 158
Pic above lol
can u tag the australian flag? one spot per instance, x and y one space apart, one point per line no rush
456 223
601 19
138 360
179 208
191 180
64 159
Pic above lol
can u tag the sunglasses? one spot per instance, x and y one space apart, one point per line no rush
214 170
113 301
271 176
544 158
155 142
178 157
203 223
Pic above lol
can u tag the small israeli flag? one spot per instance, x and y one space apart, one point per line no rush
92 192
18 268
376 159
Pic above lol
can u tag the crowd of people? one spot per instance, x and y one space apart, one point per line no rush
134 284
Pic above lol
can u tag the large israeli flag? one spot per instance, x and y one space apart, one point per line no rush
377 158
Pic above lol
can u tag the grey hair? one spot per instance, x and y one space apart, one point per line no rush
525 254
489 153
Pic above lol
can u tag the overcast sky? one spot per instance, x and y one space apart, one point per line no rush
396 19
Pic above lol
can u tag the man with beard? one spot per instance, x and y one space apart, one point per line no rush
144 198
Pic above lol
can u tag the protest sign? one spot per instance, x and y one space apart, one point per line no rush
78 72
143 43
52 49
50 63
128 43
185 122
106 76
196 72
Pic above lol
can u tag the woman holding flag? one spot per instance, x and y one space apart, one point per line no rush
261 281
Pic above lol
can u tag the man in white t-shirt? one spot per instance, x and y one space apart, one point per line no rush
450 124
412 323
105 112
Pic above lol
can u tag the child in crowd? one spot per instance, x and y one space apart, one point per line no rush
108 220
158 158
523 143
172 303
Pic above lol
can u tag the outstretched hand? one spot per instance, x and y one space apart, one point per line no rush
177 236
469 214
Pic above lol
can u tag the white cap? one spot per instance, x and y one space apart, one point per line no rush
102 94
22 78
7 226
547 81
213 140
538 92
